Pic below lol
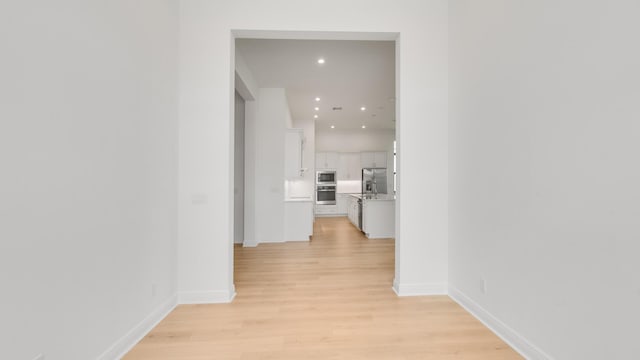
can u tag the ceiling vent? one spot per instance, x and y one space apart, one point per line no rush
337 108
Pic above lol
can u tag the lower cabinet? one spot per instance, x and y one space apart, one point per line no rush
350 214
342 201
378 219
326 209
298 220
352 210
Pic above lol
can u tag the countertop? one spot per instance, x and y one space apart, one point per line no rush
379 197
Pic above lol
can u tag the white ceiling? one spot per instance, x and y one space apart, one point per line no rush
355 74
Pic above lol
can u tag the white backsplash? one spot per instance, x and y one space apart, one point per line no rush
297 189
349 186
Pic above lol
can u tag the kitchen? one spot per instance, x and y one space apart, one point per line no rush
325 112
357 184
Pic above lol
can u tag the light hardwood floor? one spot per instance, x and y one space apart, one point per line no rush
330 298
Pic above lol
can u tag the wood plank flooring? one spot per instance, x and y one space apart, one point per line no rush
330 298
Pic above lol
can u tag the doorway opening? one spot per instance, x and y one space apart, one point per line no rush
331 97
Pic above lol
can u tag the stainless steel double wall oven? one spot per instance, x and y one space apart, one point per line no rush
326 187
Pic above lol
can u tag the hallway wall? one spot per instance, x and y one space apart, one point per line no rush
239 165
273 118
544 196
88 154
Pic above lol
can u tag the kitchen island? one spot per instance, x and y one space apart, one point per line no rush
298 218
378 215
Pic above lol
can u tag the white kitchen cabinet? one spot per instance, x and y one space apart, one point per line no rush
353 211
326 160
342 166
298 220
326 210
349 166
355 168
373 159
293 154
378 218
350 210
321 159
367 159
342 203
380 159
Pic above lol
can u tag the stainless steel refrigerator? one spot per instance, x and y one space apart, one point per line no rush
374 181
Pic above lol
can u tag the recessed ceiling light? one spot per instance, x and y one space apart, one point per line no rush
321 61
316 108
333 126
317 99
363 108
364 126
315 116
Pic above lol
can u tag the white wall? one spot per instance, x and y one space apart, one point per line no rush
544 144
88 147
272 120
206 87
247 87
251 115
245 83
238 179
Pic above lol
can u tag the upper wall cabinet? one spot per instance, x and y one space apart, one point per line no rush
293 143
373 159
349 166
326 160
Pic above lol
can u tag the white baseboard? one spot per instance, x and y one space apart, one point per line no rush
207 297
249 244
131 338
419 289
507 334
